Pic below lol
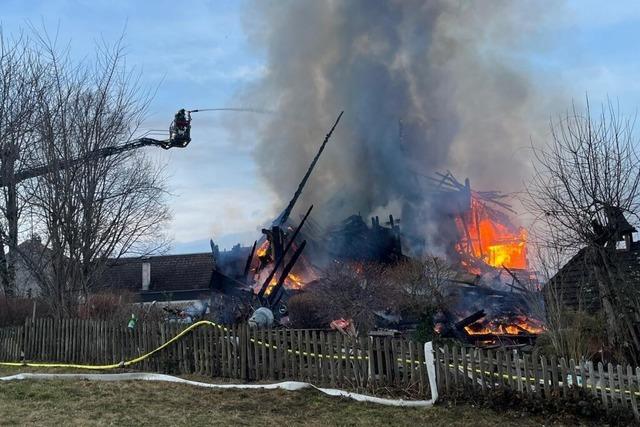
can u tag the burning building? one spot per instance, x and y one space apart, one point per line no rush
422 93
488 293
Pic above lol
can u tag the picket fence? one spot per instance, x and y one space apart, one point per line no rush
320 357
234 351
480 370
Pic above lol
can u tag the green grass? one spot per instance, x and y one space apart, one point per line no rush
65 402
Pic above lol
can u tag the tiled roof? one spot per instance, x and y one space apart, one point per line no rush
168 272
576 284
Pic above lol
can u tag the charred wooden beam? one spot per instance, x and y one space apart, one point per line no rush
287 211
214 253
470 319
274 296
515 278
277 241
247 266
279 260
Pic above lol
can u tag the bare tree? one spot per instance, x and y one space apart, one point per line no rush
585 180
21 80
102 206
573 332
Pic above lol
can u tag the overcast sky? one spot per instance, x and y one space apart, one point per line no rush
197 55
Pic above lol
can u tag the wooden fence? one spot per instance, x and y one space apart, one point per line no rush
324 358
480 370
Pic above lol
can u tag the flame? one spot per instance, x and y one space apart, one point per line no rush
294 282
262 250
513 326
487 239
291 282
272 284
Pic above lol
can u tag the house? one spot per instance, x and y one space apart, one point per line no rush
182 280
181 277
575 285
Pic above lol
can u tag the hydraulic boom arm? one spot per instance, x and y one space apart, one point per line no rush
36 171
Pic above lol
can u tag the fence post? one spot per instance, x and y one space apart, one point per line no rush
632 389
445 370
243 346
431 370
517 371
370 362
25 339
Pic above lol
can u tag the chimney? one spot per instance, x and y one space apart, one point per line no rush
146 274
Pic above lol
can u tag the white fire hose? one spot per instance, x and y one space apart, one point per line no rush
286 385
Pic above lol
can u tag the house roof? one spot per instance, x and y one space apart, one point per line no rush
576 284
168 272
178 273
183 274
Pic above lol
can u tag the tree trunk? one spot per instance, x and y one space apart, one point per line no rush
619 321
12 219
11 215
4 278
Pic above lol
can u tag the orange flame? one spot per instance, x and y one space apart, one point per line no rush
262 250
515 326
294 282
485 238
272 284
291 282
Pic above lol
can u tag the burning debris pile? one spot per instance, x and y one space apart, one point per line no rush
491 299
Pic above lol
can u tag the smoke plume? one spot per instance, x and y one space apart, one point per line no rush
426 86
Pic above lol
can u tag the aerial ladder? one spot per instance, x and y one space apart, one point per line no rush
179 137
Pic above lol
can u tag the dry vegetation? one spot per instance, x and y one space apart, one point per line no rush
98 306
411 287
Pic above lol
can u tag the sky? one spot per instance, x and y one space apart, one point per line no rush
196 54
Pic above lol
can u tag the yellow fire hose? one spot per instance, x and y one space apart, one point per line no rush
139 359
122 364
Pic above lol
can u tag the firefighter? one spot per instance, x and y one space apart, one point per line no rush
181 120
180 131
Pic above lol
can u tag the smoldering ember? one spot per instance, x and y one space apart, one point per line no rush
395 203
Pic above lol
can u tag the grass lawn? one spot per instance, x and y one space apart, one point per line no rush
131 403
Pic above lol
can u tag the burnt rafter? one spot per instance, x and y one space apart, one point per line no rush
247 267
276 295
284 216
461 324
280 258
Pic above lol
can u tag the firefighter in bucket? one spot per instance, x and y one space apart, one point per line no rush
180 130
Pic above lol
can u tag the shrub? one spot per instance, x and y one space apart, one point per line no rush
105 306
574 335
353 292
305 311
118 307
14 311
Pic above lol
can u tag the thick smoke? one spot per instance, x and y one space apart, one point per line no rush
426 86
